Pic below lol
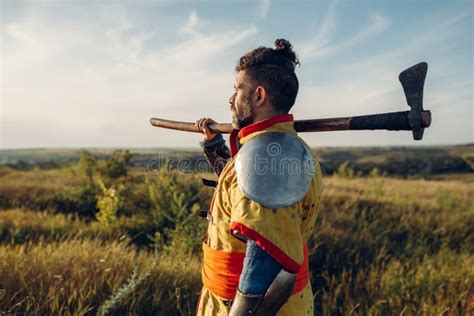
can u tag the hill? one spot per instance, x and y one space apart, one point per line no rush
427 162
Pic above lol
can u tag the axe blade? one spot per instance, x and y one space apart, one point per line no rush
413 81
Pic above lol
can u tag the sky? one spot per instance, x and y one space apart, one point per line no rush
82 73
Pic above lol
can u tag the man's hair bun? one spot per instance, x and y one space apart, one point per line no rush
285 48
282 44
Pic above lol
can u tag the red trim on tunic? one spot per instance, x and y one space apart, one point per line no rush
281 257
234 142
236 134
263 124
302 277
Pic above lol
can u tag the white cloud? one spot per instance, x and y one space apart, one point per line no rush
190 27
263 9
91 81
68 81
321 45
322 37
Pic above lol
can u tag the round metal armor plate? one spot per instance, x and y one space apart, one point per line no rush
274 169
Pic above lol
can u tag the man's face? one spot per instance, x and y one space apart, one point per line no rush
241 102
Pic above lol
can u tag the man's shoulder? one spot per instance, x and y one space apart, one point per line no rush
274 169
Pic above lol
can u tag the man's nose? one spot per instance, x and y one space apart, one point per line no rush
232 99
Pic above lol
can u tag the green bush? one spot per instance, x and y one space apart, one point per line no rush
80 199
116 165
176 200
108 204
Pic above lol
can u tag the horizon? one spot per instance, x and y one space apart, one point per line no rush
421 146
91 74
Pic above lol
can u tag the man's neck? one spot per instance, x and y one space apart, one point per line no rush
264 116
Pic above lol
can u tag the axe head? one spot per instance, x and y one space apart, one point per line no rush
413 80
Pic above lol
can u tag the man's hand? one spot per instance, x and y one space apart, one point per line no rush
203 125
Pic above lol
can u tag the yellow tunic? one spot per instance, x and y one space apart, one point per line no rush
284 231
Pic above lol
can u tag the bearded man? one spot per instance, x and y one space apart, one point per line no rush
266 199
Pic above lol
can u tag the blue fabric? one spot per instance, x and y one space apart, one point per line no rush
209 143
259 271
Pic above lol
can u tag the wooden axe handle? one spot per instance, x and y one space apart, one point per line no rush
386 121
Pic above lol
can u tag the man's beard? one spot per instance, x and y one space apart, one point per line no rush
244 117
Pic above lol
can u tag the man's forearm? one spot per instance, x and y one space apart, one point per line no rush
264 285
216 152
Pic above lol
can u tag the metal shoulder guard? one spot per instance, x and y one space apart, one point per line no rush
274 169
269 304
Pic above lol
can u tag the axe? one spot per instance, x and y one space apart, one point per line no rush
415 120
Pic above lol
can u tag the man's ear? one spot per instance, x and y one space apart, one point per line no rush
260 96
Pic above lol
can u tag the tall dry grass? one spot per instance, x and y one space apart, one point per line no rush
76 277
19 226
381 246
390 246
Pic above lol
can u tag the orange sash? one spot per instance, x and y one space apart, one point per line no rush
221 272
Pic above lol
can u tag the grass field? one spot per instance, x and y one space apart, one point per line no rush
381 246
